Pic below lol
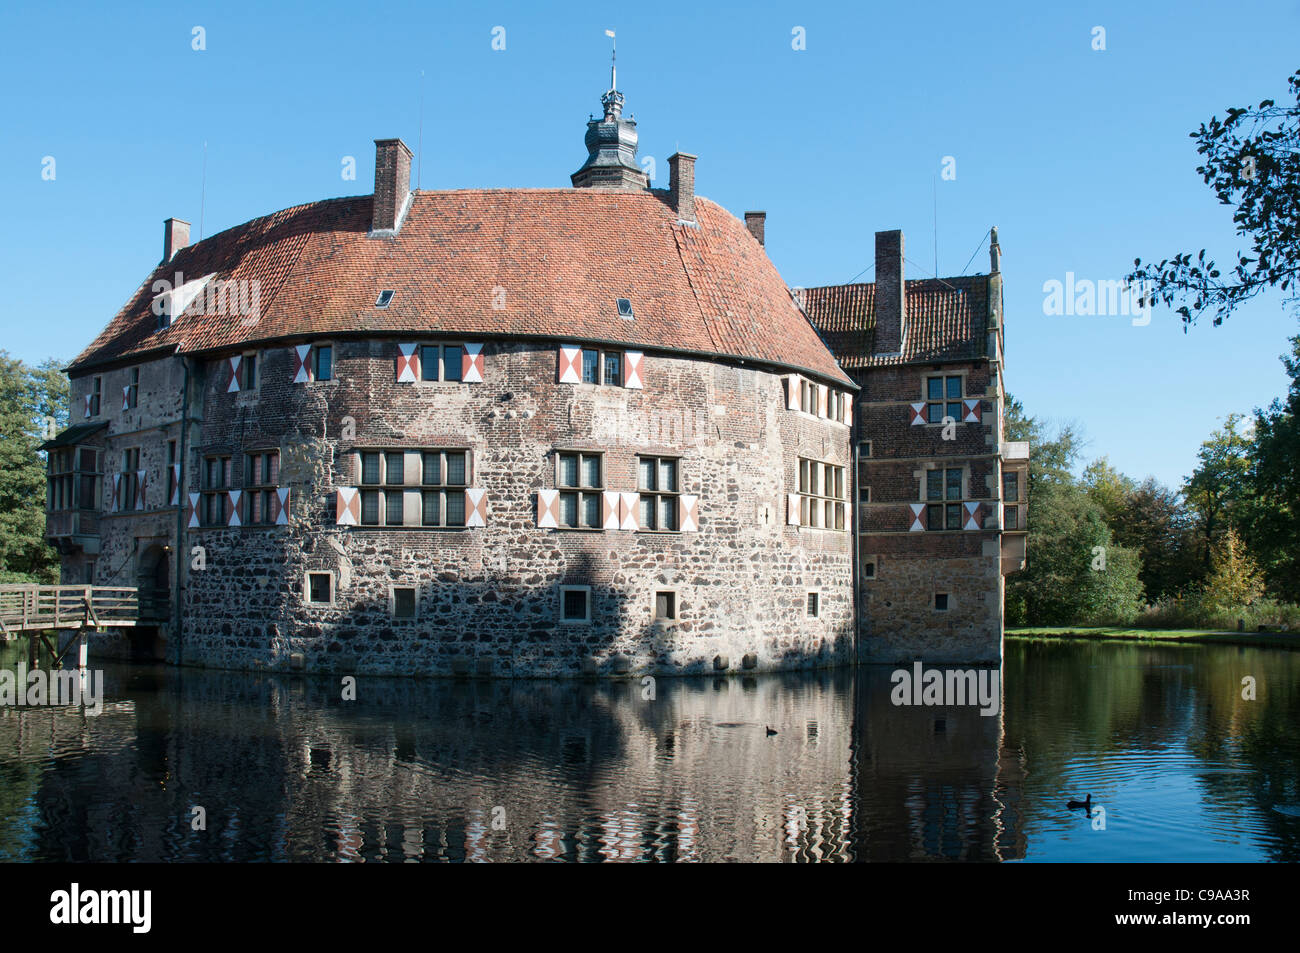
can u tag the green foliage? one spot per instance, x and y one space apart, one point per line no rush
1271 521
1252 162
33 400
1235 580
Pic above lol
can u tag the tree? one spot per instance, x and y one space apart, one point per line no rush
1156 523
1235 581
33 402
1219 486
1252 162
1273 516
1109 489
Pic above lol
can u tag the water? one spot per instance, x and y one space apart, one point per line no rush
284 769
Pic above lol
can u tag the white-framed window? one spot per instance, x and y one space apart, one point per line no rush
822 498
602 367
813 605
580 477
215 484
575 604
942 602
945 491
403 602
657 479
666 605
318 588
322 362
261 477
441 362
384 484
943 396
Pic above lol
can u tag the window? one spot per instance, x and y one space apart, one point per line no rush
835 406
216 481
945 485
74 479
657 481
130 481
941 602
813 606
580 478
96 391
624 308
822 497
442 487
320 588
864 448
384 299
61 481
1011 514
1011 487
322 362
89 478
666 605
133 388
869 568
248 372
403 604
261 474
441 362
807 397
943 396
602 367
575 604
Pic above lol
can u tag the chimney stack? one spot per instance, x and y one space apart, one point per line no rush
681 184
176 235
392 184
755 222
891 294
995 252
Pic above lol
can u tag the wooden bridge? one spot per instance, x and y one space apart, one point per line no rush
33 610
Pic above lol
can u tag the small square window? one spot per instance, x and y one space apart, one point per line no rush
320 588
941 602
666 605
385 297
575 603
403 602
625 308
868 569
814 605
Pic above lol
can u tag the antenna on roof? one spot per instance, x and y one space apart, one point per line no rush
613 58
203 188
419 146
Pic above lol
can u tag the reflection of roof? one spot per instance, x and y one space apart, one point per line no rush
946 321
72 435
512 263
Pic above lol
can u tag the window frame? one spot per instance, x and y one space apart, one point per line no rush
314 357
440 364
96 394
307 599
673 603
812 604
564 619
218 493
658 497
945 403
260 485
382 494
939 509
582 491
815 502
415 601
602 356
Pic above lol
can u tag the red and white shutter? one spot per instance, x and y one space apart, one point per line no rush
973 513
141 483
408 363
570 364
176 485
633 361
548 509
347 506
918 413
609 509
848 410
117 492
792 509
192 511
688 513
629 516
476 507
823 400
232 373
472 364
301 363
233 518
918 517
279 514
973 410
126 396
88 396
792 392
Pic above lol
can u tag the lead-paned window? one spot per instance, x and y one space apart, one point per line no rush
215 483
657 479
441 362
822 499
261 474
442 487
580 478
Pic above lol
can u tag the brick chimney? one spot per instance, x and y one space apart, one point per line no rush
176 235
891 294
392 184
681 184
755 222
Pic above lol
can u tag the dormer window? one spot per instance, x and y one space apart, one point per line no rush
625 308
385 297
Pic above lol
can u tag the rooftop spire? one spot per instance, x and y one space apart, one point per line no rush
611 142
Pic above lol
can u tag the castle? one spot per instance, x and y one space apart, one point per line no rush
540 432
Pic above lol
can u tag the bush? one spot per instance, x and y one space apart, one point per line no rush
1194 610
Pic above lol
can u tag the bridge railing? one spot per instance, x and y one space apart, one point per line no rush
27 607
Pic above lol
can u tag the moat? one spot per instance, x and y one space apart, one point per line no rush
284 769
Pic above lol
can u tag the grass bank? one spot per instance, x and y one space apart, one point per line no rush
1282 640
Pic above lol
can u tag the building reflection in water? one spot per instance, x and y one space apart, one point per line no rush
415 770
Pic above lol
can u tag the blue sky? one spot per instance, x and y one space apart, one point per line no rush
1080 157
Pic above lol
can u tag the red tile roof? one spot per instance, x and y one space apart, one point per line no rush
561 256
946 321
